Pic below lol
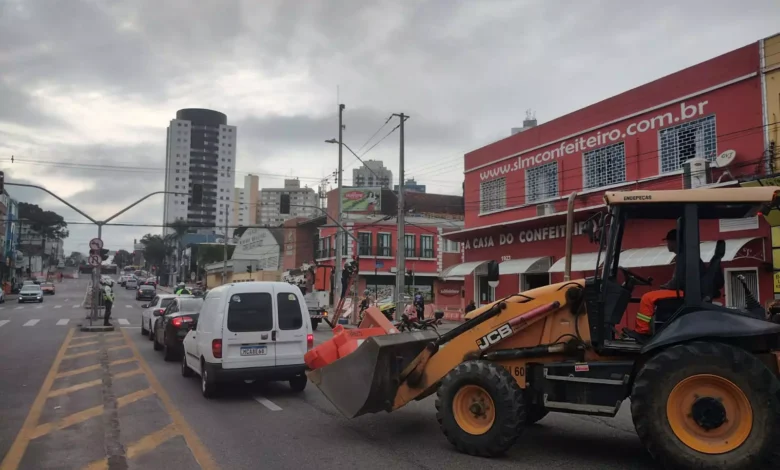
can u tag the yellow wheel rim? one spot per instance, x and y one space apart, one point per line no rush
474 410
709 414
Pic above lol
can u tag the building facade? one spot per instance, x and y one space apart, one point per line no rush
372 173
245 203
516 189
200 156
411 186
303 203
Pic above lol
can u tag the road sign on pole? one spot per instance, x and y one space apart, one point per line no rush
96 244
94 260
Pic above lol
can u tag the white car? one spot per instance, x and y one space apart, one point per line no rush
131 283
31 293
249 331
152 310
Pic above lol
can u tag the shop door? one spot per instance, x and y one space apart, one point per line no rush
534 280
485 293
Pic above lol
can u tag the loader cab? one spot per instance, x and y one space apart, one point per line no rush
609 292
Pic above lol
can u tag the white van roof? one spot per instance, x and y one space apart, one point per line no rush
255 286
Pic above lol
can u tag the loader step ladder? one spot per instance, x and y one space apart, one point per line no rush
337 310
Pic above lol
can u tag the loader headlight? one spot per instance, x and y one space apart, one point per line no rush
324 313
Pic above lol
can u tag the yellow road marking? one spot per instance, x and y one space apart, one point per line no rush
82 416
142 446
90 343
93 351
91 383
94 335
199 451
15 454
84 370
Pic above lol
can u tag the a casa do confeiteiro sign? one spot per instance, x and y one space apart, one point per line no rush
523 236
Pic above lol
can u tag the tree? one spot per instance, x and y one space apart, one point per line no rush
49 224
208 254
123 258
155 249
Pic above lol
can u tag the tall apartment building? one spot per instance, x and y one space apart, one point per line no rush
245 202
372 174
268 210
200 152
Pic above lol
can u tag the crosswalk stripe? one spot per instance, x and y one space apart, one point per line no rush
2 308
39 306
3 322
58 306
128 306
19 308
76 306
31 323
123 321
64 321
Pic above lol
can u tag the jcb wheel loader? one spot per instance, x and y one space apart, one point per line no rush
703 387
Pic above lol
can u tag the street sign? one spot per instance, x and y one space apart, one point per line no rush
380 264
96 244
94 260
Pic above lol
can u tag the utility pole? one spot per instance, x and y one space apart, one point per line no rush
400 255
339 235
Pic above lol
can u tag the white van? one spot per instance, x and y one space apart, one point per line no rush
249 331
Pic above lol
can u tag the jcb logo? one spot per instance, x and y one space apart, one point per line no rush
494 336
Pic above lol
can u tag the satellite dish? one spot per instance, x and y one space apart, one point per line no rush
724 159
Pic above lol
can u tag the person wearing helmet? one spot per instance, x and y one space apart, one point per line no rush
181 289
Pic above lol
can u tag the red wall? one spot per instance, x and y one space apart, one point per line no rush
737 109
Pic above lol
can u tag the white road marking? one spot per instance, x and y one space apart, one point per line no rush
268 404
3 322
123 321
19 308
31 323
130 327
58 306
62 322
76 306
2 308
39 306
128 306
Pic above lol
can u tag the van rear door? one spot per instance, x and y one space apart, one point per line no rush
290 328
248 326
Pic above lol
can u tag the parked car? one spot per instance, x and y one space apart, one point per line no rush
145 292
47 288
2 297
152 310
172 326
151 281
123 279
131 283
249 331
31 293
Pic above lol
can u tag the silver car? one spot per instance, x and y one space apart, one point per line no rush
31 293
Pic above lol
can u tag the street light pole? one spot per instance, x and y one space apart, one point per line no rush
339 235
400 258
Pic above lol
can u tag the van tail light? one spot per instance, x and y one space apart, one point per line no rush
179 321
309 341
216 348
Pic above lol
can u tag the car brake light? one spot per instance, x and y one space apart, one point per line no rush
177 322
309 341
160 310
216 348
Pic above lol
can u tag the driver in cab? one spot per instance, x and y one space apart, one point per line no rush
668 290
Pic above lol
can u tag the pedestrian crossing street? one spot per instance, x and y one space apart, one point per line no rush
55 322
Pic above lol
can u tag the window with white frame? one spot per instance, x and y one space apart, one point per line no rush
426 246
410 250
693 139
604 166
492 195
364 243
383 244
450 246
737 296
541 183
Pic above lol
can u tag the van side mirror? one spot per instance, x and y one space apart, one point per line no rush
145 306
492 273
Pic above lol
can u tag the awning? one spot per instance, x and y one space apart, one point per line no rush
643 257
707 249
579 263
463 269
525 265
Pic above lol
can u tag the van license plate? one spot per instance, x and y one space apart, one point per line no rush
253 350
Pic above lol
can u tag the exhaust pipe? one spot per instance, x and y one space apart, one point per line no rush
569 231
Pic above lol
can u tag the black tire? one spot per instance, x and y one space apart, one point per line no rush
507 397
168 352
315 324
157 346
661 374
151 331
144 331
298 383
534 414
208 386
185 369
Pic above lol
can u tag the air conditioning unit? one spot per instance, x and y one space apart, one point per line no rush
545 209
696 173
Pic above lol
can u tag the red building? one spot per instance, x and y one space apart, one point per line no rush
516 188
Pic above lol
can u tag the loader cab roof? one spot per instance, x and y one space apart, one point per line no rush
713 203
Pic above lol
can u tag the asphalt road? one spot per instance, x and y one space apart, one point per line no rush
250 424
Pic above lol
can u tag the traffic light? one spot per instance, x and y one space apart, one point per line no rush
249 269
284 204
104 254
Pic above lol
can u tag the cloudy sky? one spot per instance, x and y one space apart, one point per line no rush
87 87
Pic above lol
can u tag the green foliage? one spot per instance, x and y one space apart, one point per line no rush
123 258
155 249
49 224
208 254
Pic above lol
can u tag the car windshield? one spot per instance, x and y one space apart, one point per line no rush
190 305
